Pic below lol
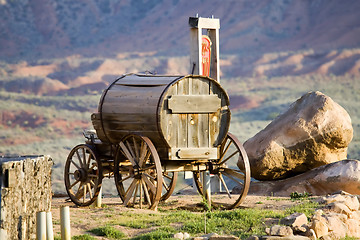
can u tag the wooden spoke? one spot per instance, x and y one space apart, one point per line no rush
130 191
224 184
169 184
77 166
225 151
88 161
136 149
146 191
165 186
143 179
234 173
72 185
229 157
127 153
143 153
149 183
84 157
232 181
79 158
130 149
83 180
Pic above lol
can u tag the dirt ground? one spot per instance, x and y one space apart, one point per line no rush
87 218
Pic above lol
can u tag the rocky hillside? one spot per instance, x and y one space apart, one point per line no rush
48 28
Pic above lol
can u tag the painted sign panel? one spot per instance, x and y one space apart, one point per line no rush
206 55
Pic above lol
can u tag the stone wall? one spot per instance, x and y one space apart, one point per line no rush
25 189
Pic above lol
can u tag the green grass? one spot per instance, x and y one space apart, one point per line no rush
83 237
160 233
305 206
109 232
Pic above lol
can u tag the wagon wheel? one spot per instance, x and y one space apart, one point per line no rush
83 175
169 183
138 173
232 173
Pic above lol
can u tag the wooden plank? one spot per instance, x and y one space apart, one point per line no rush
194 103
146 80
195 56
182 89
215 57
169 121
194 153
204 88
213 120
208 23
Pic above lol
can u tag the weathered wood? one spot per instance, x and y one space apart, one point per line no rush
195 153
187 112
197 25
208 23
194 103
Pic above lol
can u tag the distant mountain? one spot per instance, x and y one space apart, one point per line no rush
32 29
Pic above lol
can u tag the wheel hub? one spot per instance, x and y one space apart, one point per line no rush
80 174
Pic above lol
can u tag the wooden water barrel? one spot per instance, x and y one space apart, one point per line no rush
186 117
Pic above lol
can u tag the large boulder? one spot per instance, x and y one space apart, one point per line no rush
338 176
313 132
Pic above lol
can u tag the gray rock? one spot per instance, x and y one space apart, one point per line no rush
314 131
278 230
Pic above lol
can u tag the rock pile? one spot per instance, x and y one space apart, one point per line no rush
339 218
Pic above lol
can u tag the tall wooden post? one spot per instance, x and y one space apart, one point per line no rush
212 25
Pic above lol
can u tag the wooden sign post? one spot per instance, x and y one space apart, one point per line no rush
204 48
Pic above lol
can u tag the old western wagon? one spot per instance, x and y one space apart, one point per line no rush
149 128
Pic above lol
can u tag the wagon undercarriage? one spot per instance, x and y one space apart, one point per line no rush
142 179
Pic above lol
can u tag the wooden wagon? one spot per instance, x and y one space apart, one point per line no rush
149 128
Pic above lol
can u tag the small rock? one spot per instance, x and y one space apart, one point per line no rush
352 202
295 220
341 192
311 234
278 230
294 237
336 225
254 237
186 235
339 207
334 198
179 235
353 229
223 237
319 228
209 235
